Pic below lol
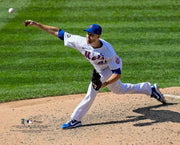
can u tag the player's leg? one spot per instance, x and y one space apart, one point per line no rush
140 88
81 109
85 104
126 88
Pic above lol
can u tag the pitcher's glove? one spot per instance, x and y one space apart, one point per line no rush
96 82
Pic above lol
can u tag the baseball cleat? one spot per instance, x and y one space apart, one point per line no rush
157 94
71 124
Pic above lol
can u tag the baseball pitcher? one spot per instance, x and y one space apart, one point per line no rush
107 68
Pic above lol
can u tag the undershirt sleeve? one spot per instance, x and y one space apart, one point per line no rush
61 34
116 71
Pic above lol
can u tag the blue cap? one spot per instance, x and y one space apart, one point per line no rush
94 28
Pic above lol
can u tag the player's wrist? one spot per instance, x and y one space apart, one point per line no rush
38 24
106 83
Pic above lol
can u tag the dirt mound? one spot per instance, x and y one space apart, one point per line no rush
112 119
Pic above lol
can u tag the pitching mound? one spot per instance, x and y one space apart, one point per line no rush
112 119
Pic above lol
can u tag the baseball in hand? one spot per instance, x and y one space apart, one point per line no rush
11 10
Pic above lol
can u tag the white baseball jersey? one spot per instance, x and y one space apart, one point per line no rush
101 58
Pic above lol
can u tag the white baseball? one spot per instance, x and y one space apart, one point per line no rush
11 10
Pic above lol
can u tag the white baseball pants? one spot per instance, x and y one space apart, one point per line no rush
117 87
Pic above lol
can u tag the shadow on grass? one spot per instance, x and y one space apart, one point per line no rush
156 116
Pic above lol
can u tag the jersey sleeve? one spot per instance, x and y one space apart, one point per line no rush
113 60
73 41
115 63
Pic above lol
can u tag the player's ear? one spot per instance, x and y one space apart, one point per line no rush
99 36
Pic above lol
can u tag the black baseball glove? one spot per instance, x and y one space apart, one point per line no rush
96 82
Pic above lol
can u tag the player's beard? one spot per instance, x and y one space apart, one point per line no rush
90 41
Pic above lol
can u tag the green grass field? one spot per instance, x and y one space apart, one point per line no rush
145 34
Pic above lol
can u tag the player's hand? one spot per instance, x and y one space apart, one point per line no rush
29 22
96 85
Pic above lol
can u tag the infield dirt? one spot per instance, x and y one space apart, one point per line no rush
113 119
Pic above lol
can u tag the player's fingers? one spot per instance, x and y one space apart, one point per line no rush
26 23
94 85
29 22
